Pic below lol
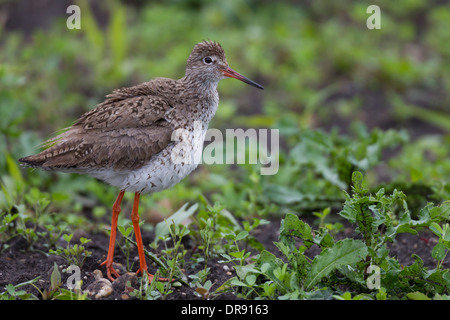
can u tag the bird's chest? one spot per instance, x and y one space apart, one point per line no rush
171 165
193 109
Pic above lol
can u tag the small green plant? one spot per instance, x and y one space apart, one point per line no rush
204 290
149 291
55 284
380 218
73 254
13 292
209 231
174 258
440 250
333 228
15 198
219 234
7 229
54 232
234 254
345 263
56 292
16 223
127 232
199 278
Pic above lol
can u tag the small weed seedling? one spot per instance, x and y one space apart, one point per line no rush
56 292
333 228
73 254
146 290
219 234
440 250
126 231
204 290
174 258
13 292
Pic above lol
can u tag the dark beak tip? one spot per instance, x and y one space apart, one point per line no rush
254 84
257 85
233 74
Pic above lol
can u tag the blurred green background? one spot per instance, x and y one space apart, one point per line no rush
343 97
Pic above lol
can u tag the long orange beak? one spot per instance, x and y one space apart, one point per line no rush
228 72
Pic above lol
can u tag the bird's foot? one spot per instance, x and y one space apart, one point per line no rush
110 271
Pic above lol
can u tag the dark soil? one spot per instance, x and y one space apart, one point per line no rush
18 265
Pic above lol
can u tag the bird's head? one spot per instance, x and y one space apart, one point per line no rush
207 62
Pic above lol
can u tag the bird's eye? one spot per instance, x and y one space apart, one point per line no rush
208 60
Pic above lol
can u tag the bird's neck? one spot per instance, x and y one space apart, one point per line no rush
199 85
206 96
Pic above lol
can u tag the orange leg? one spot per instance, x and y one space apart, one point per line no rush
112 239
137 233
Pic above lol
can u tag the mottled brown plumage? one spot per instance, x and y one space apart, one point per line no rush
128 140
119 134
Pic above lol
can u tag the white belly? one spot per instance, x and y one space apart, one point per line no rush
163 171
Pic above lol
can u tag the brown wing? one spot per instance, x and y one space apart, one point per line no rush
119 134
132 112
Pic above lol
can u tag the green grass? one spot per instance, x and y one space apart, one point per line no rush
344 98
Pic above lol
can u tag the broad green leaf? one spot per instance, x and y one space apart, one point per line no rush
162 228
241 235
243 271
438 252
344 252
238 254
236 282
268 264
10 289
250 279
417 296
436 228
443 211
